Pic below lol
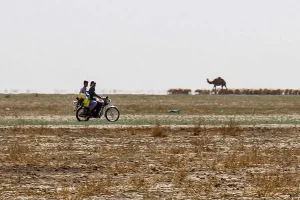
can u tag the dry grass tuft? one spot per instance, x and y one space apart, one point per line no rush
138 182
203 143
231 128
158 130
179 177
270 184
249 158
94 187
199 128
21 153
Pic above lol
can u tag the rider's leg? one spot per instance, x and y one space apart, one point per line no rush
92 105
98 108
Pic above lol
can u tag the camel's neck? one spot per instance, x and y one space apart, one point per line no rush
210 82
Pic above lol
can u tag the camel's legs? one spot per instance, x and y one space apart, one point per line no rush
215 89
224 86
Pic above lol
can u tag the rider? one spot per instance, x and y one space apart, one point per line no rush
92 95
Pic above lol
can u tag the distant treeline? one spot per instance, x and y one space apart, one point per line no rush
237 91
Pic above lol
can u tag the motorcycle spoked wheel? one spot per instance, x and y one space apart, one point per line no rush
112 114
81 114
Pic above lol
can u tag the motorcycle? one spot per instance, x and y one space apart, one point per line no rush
110 111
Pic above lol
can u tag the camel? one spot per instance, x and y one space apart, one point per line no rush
217 82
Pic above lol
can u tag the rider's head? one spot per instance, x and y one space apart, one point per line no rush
85 83
93 84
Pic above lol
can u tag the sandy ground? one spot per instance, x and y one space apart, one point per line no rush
129 162
169 116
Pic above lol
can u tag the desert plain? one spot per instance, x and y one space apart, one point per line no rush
216 147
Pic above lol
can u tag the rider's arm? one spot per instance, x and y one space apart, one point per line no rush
93 93
97 96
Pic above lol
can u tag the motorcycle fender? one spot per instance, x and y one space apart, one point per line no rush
78 108
112 106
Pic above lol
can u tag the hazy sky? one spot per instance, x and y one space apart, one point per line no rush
142 45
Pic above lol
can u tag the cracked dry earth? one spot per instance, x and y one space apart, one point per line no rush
152 162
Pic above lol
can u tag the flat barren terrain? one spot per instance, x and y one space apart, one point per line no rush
217 147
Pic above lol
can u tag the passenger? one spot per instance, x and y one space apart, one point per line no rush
82 93
83 90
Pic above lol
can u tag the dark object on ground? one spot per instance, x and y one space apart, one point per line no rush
174 111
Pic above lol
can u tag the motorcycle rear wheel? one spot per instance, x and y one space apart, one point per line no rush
81 115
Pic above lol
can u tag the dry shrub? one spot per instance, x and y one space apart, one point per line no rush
206 186
238 146
66 192
94 187
202 91
242 156
34 131
174 161
138 182
223 91
123 168
179 91
199 128
179 177
21 153
203 143
283 157
274 182
249 158
68 146
158 131
237 91
89 130
200 188
231 128
177 150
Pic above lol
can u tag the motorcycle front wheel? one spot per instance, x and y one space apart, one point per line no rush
112 114
81 114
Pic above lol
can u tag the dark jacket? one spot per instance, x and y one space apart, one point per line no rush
93 93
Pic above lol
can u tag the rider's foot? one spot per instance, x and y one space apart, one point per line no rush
89 114
96 115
